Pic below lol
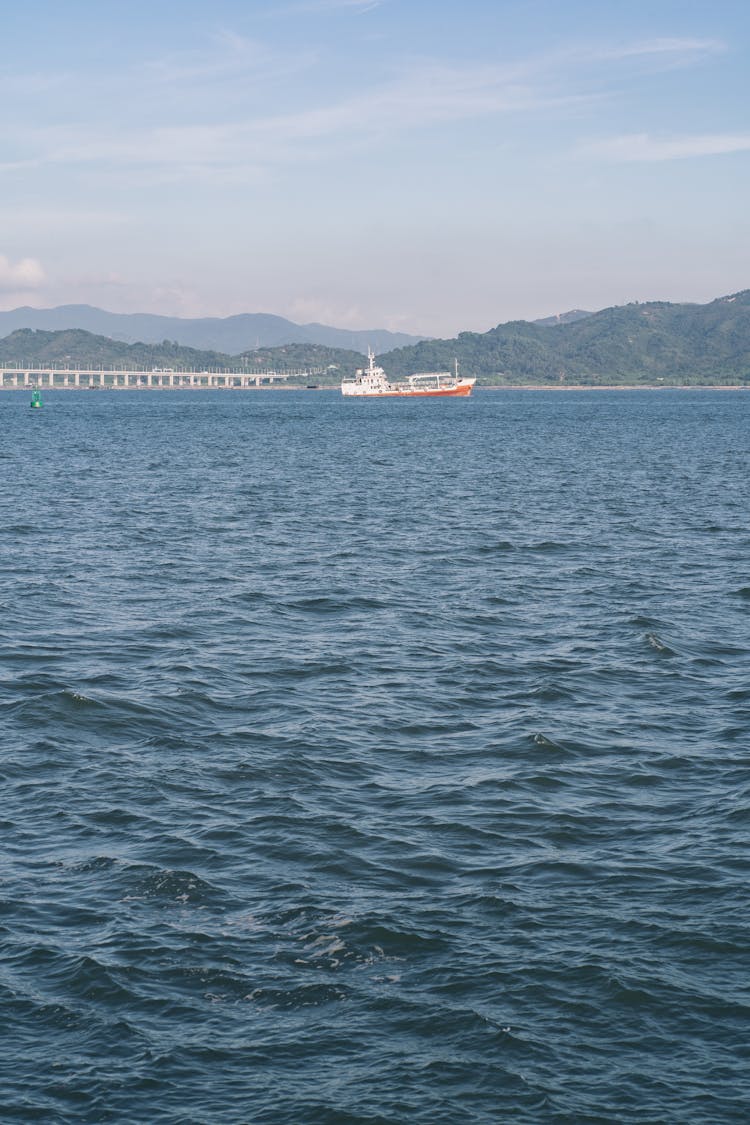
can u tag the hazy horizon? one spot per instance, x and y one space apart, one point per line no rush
425 168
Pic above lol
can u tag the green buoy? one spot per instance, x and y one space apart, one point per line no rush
36 399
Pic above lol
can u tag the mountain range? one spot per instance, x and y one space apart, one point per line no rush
230 335
651 343
74 347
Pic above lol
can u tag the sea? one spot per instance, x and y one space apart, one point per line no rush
375 762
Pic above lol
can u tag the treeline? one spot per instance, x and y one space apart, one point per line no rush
656 342
330 364
630 344
73 347
76 348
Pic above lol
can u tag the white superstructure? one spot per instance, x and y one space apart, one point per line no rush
372 382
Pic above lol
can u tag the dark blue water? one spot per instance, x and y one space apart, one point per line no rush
375 762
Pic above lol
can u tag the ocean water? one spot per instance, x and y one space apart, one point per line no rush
375 763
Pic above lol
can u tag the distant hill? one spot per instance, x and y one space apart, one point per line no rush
629 344
633 344
75 347
333 363
230 335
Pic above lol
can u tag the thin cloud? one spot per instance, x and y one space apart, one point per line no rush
427 94
665 47
433 94
641 147
664 54
312 6
27 273
230 56
187 144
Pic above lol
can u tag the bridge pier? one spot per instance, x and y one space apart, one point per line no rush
15 377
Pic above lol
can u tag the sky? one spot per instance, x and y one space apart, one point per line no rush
427 166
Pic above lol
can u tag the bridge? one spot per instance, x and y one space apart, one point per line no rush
157 378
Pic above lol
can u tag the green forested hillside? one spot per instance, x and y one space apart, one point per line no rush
630 344
331 363
638 343
74 347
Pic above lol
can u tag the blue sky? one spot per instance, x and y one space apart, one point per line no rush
423 166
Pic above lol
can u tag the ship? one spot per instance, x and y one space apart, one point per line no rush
372 382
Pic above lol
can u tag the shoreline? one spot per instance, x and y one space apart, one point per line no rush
619 387
572 387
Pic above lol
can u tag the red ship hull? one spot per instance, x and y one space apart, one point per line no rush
452 392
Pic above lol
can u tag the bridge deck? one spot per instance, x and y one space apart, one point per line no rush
23 376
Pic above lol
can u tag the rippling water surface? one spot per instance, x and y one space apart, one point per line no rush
375 762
